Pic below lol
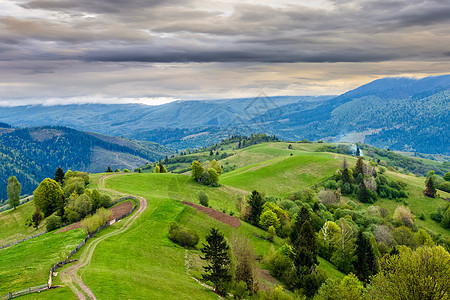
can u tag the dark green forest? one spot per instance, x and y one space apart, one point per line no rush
32 154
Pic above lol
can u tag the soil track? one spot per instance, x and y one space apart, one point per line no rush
69 276
220 216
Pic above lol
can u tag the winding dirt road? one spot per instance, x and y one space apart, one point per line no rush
69 276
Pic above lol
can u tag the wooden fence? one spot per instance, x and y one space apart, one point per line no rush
67 260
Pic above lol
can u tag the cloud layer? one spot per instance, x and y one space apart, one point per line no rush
205 49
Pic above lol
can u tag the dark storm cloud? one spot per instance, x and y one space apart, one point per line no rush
156 47
196 31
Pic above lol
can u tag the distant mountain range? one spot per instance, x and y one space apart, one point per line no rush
32 154
398 113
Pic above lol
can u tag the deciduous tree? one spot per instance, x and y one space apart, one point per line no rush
48 196
197 170
13 190
420 274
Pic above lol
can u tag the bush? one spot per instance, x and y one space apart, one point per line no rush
183 236
53 222
203 198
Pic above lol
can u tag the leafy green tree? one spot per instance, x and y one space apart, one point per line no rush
203 198
327 235
156 169
215 165
344 256
349 288
216 254
213 177
267 219
420 274
447 176
430 190
404 236
59 176
13 190
197 170
256 202
53 222
48 196
109 170
246 262
446 218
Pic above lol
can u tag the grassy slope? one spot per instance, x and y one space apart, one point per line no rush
28 263
13 226
283 176
146 254
152 265
417 202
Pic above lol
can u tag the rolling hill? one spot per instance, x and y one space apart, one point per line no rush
32 154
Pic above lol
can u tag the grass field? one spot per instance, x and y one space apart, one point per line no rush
144 254
13 226
28 263
283 176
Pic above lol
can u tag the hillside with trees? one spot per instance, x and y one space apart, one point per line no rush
32 154
252 217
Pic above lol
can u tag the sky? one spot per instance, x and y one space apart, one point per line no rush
155 51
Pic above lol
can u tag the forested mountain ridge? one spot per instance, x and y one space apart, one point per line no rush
32 154
403 114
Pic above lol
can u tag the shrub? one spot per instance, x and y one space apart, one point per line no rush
183 236
91 223
203 198
126 171
53 222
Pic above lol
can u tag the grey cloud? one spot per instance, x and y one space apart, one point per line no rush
96 39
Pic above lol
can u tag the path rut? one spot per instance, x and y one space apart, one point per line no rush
69 276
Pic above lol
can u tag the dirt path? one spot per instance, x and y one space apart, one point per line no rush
69 276
219 216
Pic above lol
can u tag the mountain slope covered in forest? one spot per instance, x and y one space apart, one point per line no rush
32 154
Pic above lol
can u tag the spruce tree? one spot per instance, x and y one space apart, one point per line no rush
358 151
366 264
109 170
359 168
216 254
301 218
347 176
430 190
305 252
256 202
59 176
